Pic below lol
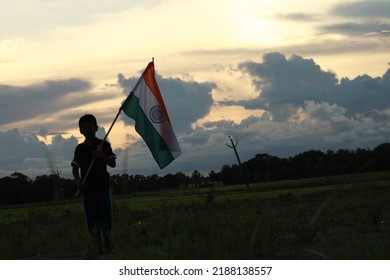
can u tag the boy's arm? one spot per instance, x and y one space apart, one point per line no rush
76 176
111 162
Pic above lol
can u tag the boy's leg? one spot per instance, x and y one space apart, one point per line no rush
91 209
106 214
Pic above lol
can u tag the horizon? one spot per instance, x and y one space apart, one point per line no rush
58 172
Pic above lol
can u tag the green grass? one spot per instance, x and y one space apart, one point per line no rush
341 217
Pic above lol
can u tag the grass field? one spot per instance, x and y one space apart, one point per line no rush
343 217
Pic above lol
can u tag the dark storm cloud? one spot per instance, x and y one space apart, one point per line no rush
186 101
19 103
308 108
285 84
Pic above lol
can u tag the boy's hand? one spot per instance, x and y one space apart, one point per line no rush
79 183
80 187
108 160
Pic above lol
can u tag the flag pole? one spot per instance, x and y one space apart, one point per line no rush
93 159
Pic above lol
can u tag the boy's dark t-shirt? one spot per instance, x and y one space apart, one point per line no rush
98 178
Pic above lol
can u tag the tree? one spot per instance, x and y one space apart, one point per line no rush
14 189
196 178
214 177
231 175
381 157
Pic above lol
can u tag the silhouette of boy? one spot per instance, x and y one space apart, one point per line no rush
96 189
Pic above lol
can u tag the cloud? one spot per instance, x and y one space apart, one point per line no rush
186 101
309 48
37 17
363 93
371 28
23 102
56 102
285 84
363 18
315 125
43 131
308 108
363 9
26 154
300 17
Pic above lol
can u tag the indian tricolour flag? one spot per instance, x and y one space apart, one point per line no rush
146 106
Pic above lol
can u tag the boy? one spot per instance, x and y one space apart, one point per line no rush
96 190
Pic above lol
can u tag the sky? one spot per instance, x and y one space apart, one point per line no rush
280 77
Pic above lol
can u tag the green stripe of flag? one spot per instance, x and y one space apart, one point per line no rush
152 138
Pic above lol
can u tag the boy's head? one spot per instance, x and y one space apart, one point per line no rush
88 118
88 126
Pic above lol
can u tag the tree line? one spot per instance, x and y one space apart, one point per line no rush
19 188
